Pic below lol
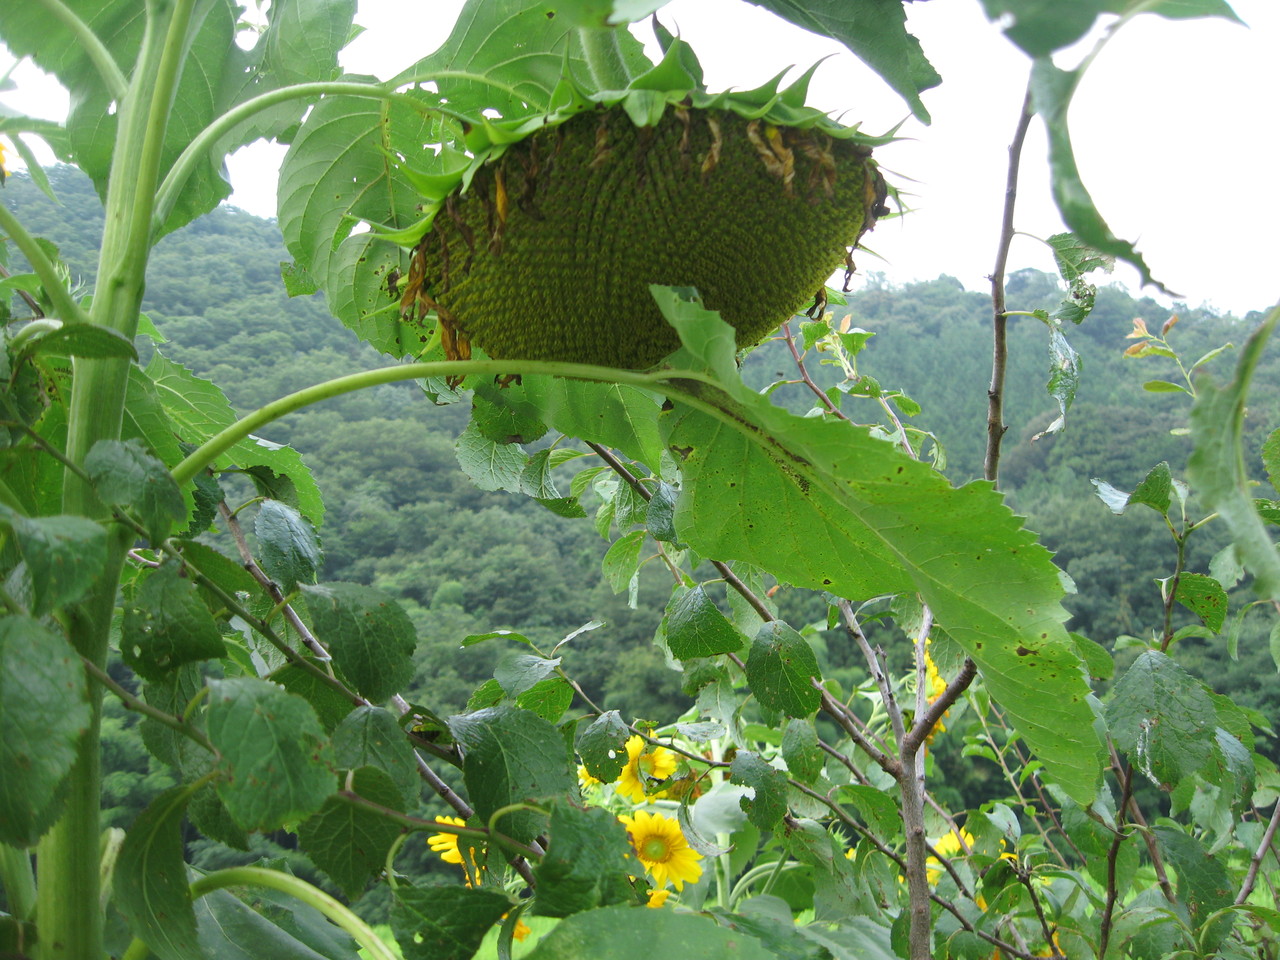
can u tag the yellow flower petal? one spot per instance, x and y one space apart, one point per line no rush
662 848
657 898
658 763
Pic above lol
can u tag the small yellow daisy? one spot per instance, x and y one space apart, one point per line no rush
661 847
656 764
446 845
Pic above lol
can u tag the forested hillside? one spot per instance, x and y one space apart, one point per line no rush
402 515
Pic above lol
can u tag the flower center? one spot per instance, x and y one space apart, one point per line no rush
656 849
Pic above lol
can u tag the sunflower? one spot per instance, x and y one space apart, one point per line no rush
446 845
657 898
951 845
662 848
586 779
4 170
656 764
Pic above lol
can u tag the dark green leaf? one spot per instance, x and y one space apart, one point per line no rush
586 864
1161 716
503 415
517 672
209 815
1154 490
288 549
127 476
603 746
367 633
444 922
1203 882
370 736
64 556
44 710
150 880
1064 377
1216 466
780 670
660 514
1204 597
166 624
512 756
623 933
229 575
350 843
697 628
1052 89
276 763
173 693
876 31
801 751
767 808
782 938
879 810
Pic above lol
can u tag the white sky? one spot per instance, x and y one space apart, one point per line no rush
1176 127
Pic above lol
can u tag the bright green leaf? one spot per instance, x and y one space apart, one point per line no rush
697 628
276 763
780 670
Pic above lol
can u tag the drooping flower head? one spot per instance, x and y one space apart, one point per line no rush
661 847
656 763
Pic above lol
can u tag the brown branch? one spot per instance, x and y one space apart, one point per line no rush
804 374
921 729
1255 862
840 713
1000 353
141 706
1108 910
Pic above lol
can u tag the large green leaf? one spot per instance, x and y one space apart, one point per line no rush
824 504
44 711
876 31
275 758
513 756
368 634
1040 27
128 476
150 882
350 843
623 933
1216 466
271 924
697 628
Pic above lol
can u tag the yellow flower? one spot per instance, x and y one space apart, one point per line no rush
586 779
948 846
657 898
935 687
663 850
4 170
446 845
656 764
521 931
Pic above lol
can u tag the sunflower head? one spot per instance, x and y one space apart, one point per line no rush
661 847
656 763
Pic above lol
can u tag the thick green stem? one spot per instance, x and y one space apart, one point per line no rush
68 911
213 448
287 883
604 57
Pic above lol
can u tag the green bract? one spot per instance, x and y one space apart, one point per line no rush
542 240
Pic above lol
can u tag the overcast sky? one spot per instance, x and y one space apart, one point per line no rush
1177 131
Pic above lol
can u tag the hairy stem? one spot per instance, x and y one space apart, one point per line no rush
43 268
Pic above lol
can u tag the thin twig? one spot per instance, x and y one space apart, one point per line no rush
270 586
1255 862
921 729
138 705
875 662
804 374
842 716
1000 352
1113 893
